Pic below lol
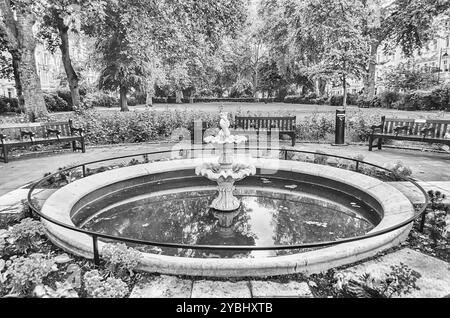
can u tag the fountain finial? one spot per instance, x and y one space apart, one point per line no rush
225 172
224 124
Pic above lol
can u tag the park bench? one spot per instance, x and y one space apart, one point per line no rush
28 134
422 130
283 125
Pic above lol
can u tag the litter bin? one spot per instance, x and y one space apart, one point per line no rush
340 127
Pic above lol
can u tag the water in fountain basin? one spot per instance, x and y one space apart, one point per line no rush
271 214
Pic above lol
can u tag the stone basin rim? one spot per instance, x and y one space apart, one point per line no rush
396 208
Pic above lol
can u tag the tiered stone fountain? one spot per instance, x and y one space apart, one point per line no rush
226 172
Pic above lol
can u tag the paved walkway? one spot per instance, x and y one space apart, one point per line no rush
426 166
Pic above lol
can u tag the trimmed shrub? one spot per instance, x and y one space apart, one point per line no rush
137 98
9 105
437 99
338 100
54 103
66 95
369 103
388 98
100 99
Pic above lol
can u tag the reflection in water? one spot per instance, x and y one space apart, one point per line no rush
267 217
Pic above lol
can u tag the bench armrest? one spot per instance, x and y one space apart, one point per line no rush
398 129
375 127
54 131
74 130
426 130
29 134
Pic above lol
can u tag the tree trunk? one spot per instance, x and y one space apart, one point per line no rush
149 99
31 85
322 87
179 96
344 85
72 76
123 99
19 92
150 90
255 83
369 80
317 87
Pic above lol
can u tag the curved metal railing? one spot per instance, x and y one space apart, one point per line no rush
286 151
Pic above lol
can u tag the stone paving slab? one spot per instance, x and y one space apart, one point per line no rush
13 197
11 203
435 279
219 289
263 289
163 287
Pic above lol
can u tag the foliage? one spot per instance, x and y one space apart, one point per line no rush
63 290
320 158
338 100
67 96
9 105
25 235
400 280
120 259
98 287
114 127
241 88
436 99
388 98
401 170
410 23
405 77
23 273
438 220
55 103
99 99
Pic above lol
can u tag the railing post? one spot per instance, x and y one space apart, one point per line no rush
84 171
286 154
95 248
357 166
422 221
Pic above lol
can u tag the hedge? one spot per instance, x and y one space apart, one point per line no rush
9 105
143 126
436 99
54 103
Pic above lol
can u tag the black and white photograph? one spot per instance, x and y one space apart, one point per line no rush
224 156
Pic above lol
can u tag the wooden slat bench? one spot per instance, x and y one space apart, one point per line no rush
423 130
285 125
28 134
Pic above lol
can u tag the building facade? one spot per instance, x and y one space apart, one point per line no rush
51 69
433 58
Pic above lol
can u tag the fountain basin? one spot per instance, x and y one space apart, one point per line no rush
387 205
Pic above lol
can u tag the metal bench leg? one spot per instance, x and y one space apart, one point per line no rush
74 146
83 146
293 140
370 143
380 140
5 154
